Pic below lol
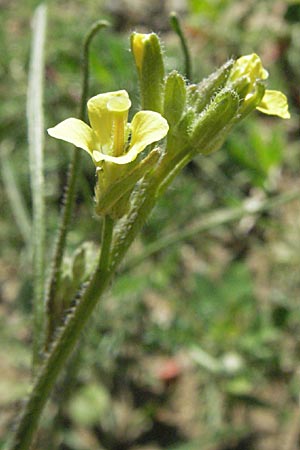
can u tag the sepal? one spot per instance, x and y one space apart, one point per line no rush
113 198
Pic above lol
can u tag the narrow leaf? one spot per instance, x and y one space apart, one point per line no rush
36 161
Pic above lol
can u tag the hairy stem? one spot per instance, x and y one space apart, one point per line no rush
63 345
112 253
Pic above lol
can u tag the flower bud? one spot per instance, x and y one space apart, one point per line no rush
200 95
147 54
175 98
222 109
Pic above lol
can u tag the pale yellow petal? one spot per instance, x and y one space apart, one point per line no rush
124 159
76 132
147 127
274 103
101 113
251 66
138 41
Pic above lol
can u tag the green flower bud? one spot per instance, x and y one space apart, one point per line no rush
220 112
175 98
147 53
200 95
241 86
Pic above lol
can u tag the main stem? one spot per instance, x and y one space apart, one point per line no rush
63 345
112 253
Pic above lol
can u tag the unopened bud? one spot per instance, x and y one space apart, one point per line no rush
147 54
175 98
200 95
217 115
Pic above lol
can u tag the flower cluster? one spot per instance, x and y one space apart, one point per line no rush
196 118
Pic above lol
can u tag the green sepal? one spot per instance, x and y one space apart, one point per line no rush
200 95
175 98
219 113
114 200
241 86
254 100
151 72
184 128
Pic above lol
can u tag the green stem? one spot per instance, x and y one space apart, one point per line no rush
107 233
128 228
95 28
175 23
169 167
69 194
62 347
69 335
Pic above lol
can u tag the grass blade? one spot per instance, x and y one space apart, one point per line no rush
36 161
15 198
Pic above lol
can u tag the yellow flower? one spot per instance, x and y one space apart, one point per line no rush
250 66
250 69
274 103
110 138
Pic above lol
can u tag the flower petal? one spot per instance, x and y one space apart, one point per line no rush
274 103
146 127
101 112
124 159
138 41
251 66
76 132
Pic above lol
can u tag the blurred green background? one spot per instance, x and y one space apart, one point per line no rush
197 346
